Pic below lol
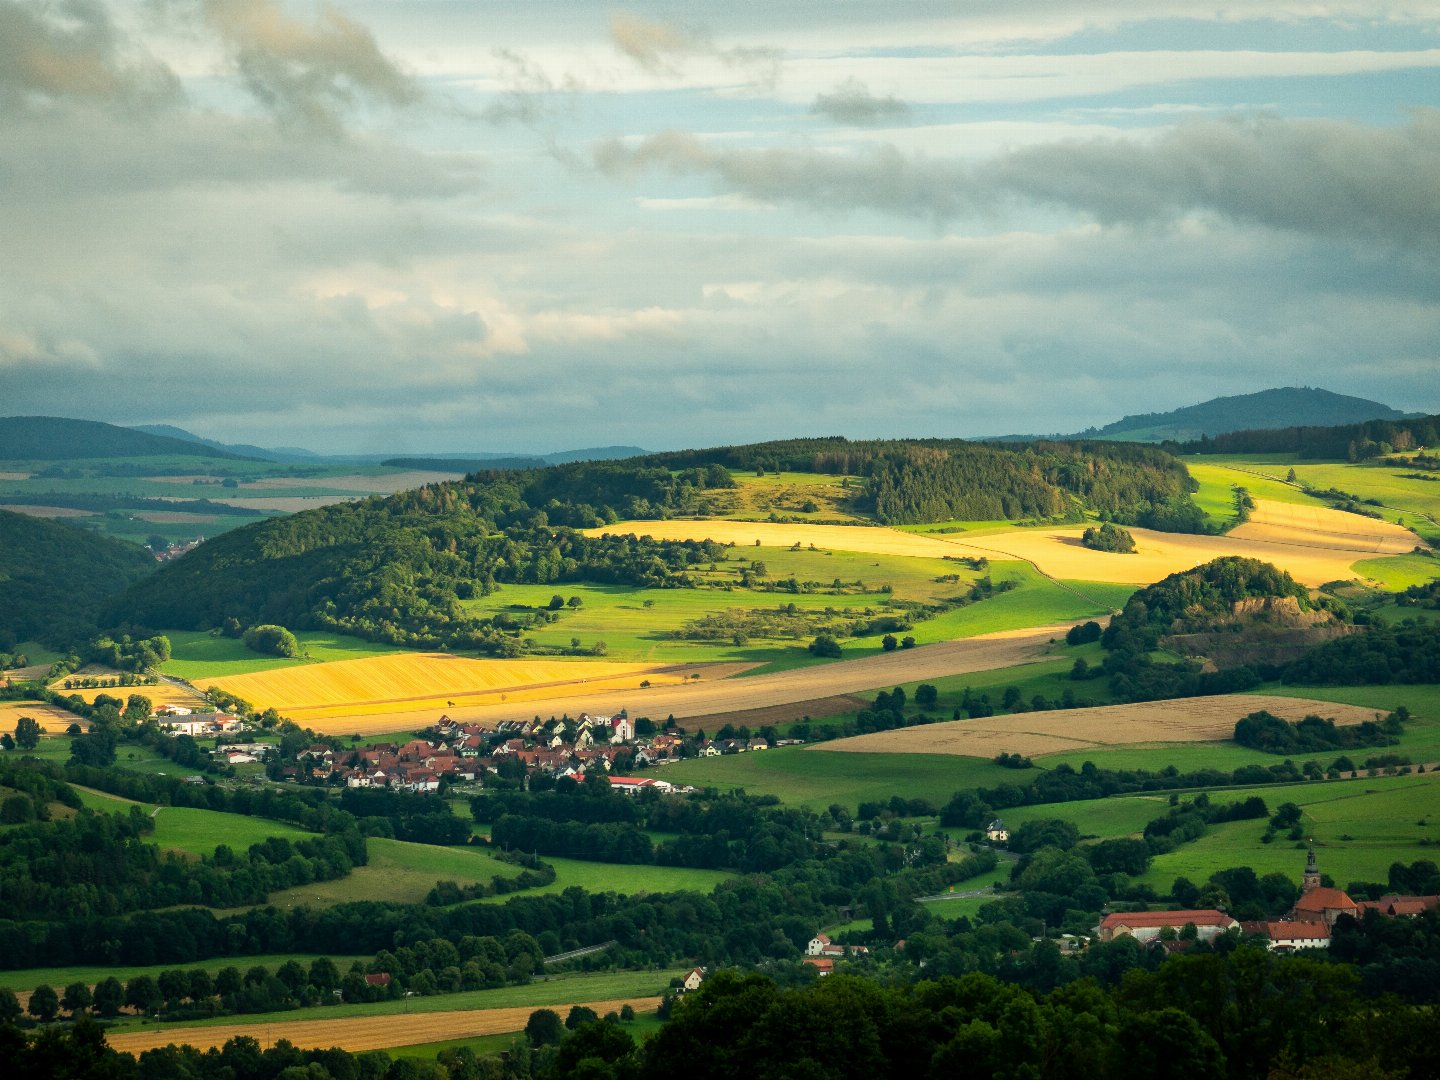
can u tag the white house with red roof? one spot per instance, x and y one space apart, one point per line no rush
1147 926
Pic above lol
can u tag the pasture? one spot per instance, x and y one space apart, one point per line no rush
197 832
805 776
638 624
404 873
1182 720
196 654
1359 827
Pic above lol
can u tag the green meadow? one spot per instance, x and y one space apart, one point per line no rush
199 832
197 654
638 624
805 776
1398 572
1359 827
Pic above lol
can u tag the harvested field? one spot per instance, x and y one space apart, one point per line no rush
51 512
1057 552
173 517
359 1033
712 697
408 682
52 721
289 504
368 484
161 693
1322 527
14 476
1179 720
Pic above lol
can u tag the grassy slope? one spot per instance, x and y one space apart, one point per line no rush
200 655
199 832
617 615
1359 827
817 778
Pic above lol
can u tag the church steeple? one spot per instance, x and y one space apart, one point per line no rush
1311 880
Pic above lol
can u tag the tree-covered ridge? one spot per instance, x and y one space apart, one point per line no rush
55 578
1346 442
1265 409
55 438
1193 598
396 568
919 480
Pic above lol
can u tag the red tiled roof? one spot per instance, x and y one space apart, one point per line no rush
1202 917
1324 899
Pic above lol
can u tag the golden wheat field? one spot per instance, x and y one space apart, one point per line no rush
1311 549
359 1033
52 721
1320 526
410 682
1180 720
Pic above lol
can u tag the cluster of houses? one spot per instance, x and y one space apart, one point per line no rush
821 953
179 720
1307 925
460 752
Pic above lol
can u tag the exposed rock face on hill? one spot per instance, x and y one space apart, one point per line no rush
1259 629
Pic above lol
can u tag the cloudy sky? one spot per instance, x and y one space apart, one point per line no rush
376 225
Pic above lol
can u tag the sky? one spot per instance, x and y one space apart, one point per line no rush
383 226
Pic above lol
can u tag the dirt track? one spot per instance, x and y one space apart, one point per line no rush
708 697
357 1033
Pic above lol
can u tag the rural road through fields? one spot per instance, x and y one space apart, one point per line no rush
359 1033
711 697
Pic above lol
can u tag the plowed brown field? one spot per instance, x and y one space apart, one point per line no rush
359 1033
1180 720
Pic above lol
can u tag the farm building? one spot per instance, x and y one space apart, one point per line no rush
1147 926
996 832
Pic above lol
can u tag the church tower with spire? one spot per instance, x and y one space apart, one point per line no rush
1311 880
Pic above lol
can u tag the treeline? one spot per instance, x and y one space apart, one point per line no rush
1265 731
1349 442
100 864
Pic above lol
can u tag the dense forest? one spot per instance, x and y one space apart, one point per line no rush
55 578
397 568
1345 442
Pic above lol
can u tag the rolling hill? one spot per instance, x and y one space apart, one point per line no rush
55 578
1290 406
55 438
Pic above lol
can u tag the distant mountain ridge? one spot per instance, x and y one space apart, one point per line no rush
459 462
58 438
1281 407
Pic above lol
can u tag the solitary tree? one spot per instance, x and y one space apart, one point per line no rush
27 733
544 1027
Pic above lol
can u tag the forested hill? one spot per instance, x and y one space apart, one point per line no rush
54 578
55 438
1303 405
1346 442
397 568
